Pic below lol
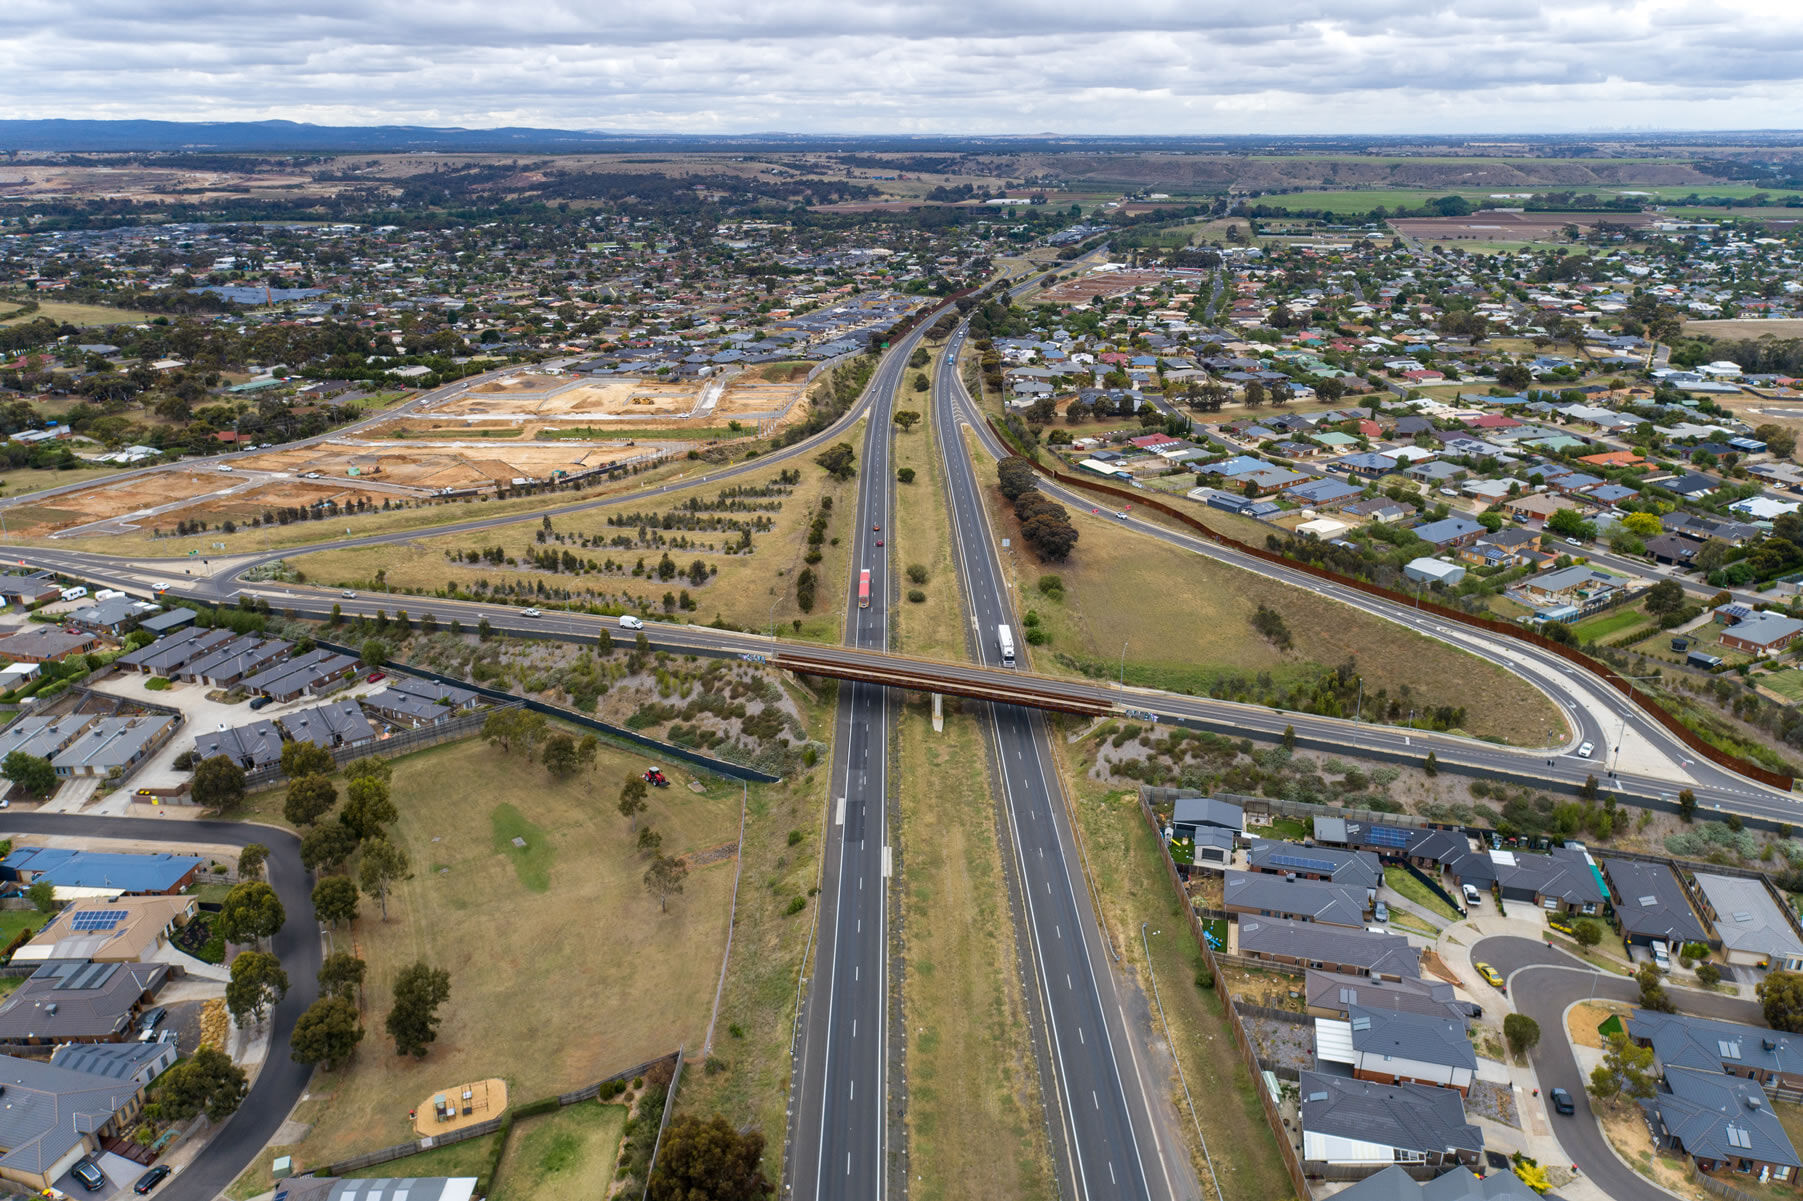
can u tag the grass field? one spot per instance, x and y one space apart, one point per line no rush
749 590
569 1155
1787 683
73 314
975 1121
1399 879
1184 620
922 535
14 920
1784 327
23 480
520 956
1365 199
1126 859
1607 625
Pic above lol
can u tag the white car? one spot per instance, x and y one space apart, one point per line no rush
226 467
533 613
1585 749
349 595
629 622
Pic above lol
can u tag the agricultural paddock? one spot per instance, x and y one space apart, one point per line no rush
1495 225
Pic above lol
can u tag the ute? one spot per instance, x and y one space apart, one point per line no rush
655 777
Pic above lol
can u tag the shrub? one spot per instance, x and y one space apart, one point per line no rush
795 837
916 595
1052 586
156 683
917 573
796 905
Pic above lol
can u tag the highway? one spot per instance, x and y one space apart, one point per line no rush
1107 1146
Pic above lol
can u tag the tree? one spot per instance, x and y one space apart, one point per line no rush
306 759
905 474
839 459
663 877
709 1161
42 895
250 912
906 419
375 653
1647 525
341 974
1567 524
251 860
367 809
1626 1069
327 1033
218 784
309 799
382 866
31 773
560 755
335 900
650 841
514 728
1586 932
257 983
1652 989
632 799
1687 805
206 1082
1781 993
1431 765
1289 738
325 848
604 642
1522 1031
1667 596
413 1021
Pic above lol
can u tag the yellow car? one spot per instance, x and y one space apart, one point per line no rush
1490 974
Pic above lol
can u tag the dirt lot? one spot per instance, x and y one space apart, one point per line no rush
1105 283
441 465
113 500
1488 225
556 399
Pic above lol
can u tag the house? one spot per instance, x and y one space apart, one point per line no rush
119 930
241 657
1449 532
1768 1057
1762 633
77 874
43 737
1579 584
110 616
44 643
1559 880
1210 826
1324 948
1395 1184
60 1111
113 746
72 1002
408 701
1671 550
291 679
170 653
1379 509
1425 570
1264 895
168 622
1334 996
333 724
1650 904
28 590
1723 1123
1366 464
257 744
1323 493
1537 506
1754 929
1391 1046
1357 869
1511 546
1355 1123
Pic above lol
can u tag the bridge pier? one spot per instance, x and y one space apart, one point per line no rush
938 713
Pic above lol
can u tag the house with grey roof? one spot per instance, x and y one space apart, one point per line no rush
1563 879
1723 1123
333 724
114 745
68 1002
253 745
288 679
1210 827
1337 865
1322 948
1262 894
1348 1123
1331 995
1395 1184
409 701
1754 930
1650 904
1392 1045
1449 532
58 1112
170 653
1770 1058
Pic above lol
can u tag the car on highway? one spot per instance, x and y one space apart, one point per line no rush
1491 975
875 529
629 622
226 467
349 595
151 1179
91 1177
1585 749
1562 1101
879 541
532 613
1122 516
159 589
377 676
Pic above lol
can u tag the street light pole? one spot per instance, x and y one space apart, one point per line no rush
1124 642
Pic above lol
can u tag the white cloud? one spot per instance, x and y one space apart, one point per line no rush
1126 66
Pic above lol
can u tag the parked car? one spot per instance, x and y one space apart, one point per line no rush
375 676
151 1179
91 1177
151 1018
1472 895
258 702
1491 975
1562 1101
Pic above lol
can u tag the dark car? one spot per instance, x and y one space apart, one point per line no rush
91 1177
151 1179
258 702
1562 1101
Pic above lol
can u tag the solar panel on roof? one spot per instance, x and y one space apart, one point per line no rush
1302 863
1649 900
1389 836
1739 1138
97 919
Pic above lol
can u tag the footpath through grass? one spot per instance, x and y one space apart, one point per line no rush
976 1125
1126 859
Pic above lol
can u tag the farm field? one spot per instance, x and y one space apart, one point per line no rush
523 930
746 589
1184 622
1782 327
73 314
1363 200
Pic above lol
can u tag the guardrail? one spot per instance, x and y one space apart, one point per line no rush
901 675
1599 669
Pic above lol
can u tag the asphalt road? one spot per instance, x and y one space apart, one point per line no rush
1544 983
1107 1145
280 1084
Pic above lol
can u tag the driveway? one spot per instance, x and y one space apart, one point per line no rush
1544 983
297 944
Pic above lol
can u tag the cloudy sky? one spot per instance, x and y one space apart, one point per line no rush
953 66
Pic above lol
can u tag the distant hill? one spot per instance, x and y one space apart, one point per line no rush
290 137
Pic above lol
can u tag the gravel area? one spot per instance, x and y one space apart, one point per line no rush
1493 1101
1286 1044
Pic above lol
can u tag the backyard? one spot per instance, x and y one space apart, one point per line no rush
569 1155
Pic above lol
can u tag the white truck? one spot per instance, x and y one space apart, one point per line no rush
1004 641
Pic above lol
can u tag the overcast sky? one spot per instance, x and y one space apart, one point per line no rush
931 66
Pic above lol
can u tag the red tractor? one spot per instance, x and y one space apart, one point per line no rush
655 777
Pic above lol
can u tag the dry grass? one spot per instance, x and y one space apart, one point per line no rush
742 593
1627 1133
550 990
975 1118
24 480
923 535
569 1155
1185 621
1586 1016
73 314
1783 327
